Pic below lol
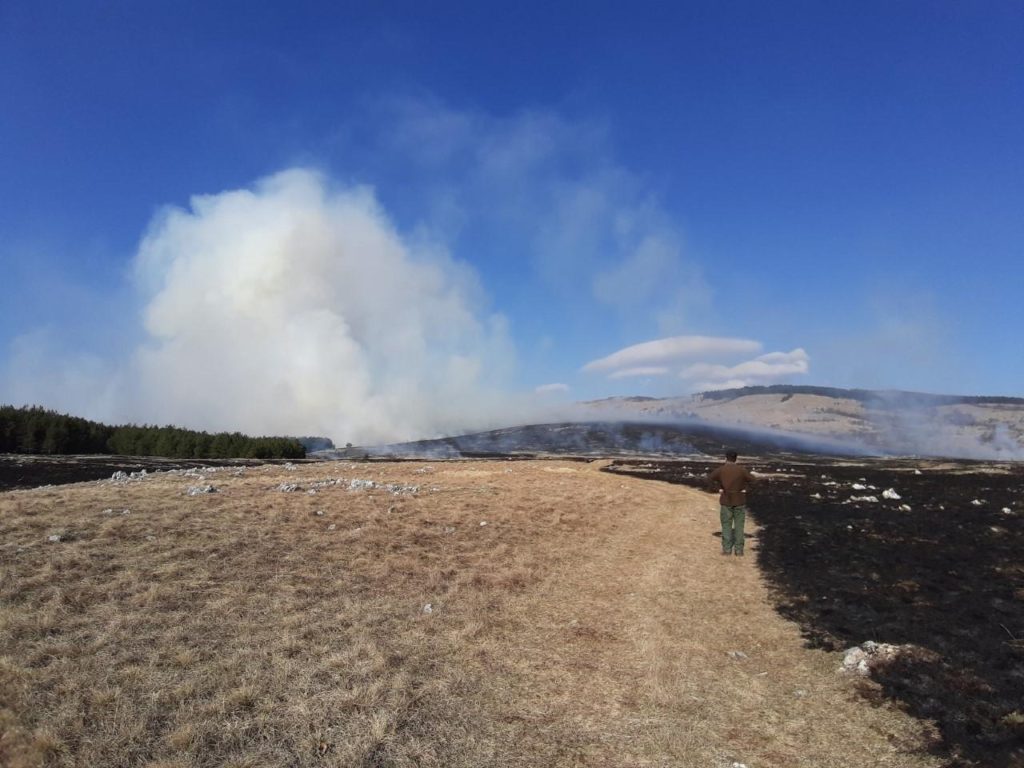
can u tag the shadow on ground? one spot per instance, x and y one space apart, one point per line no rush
946 576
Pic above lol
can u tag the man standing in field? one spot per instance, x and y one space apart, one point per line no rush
733 480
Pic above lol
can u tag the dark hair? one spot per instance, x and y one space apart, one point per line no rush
730 455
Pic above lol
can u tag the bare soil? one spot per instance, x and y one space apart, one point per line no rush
576 618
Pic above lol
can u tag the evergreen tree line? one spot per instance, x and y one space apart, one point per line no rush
37 430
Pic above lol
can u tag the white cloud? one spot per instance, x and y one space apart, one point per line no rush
549 388
673 350
652 370
761 370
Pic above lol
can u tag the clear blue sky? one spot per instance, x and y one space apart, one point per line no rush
845 179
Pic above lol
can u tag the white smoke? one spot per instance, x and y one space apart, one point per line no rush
295 308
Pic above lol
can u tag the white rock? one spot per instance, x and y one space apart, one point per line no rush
859 487
332 527
287 487
890 493
483 523
319 513
54 538
1007 511
737 655
917 471
815 495
196 490
428 608
859 659
977 502
905 508
872 499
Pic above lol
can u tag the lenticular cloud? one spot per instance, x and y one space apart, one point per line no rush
294 308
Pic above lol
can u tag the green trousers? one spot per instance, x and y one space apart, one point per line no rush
733 519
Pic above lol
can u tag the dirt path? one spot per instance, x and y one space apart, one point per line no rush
660 651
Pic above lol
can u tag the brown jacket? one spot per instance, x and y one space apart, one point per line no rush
733 479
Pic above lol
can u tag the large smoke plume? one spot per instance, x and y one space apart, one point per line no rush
297 308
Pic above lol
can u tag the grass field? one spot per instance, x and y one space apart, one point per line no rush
576 618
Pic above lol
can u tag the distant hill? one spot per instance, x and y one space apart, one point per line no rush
611 438
885 421
754 421
892 397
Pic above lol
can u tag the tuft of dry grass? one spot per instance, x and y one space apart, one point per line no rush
576 618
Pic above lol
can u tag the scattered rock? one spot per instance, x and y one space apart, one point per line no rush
428 608
872 499
55 538
361 485
397 489
483 523
890 493
859 487
332 527
860 659
288 487
119 477
197 490
1007 511
977 502
905 508
739 655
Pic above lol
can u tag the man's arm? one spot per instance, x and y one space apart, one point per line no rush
713 480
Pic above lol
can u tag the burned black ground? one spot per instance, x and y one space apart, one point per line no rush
946 576
23 471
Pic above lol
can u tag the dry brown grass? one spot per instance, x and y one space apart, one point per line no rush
588 623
